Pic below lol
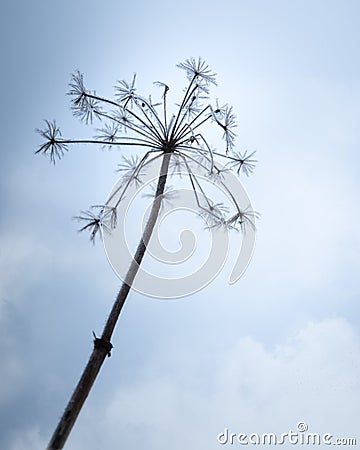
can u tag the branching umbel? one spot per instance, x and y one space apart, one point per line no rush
133 120
176 138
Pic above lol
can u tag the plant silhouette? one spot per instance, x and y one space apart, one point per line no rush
179 142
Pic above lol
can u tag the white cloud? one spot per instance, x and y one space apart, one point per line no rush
21 258
312 377
13 374
30 439
308 225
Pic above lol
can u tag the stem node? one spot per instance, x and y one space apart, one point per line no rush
100 343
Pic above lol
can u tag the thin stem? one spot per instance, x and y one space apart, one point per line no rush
191 130
165 114
199 135
139 142
201 151
185 99
102 346
153 111
128 110
226 156
194 178
140 251
191 181
134 127
180 134
141 164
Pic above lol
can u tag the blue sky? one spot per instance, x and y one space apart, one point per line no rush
280 346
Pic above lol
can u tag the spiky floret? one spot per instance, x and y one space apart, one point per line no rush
53 145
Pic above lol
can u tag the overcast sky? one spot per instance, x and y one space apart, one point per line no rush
280 346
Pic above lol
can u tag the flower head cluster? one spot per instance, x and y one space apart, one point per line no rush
133 120
53 145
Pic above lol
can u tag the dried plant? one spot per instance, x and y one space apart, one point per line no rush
180 142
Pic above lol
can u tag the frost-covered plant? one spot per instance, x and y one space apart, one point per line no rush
178 139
